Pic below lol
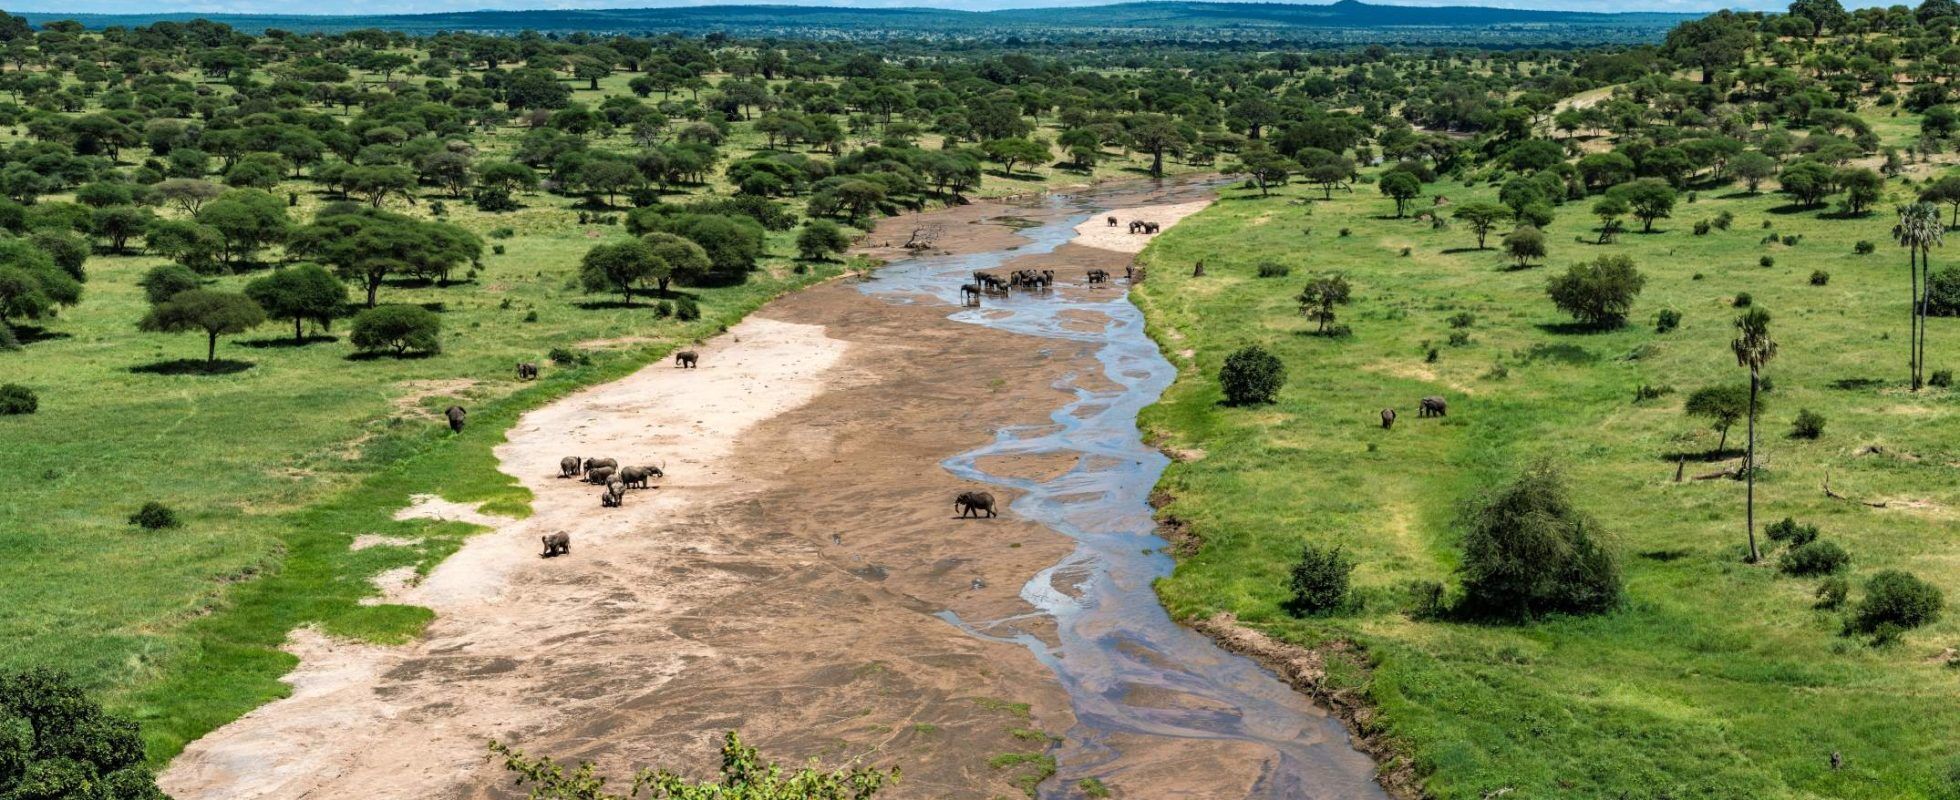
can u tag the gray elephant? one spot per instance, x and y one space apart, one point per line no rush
1433 407
455 414
557 544
570 466
975 503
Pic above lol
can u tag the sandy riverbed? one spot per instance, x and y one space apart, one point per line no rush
782 580
1097 232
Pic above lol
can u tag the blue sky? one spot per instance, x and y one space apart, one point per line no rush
423 6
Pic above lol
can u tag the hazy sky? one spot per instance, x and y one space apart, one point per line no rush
424 6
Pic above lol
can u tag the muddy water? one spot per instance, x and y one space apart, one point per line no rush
1137 680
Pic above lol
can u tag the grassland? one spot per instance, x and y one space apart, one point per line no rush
278 460
1718 679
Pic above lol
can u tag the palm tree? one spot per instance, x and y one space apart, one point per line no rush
1919 229
1753 349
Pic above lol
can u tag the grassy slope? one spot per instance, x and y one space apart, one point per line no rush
277 467
1718 680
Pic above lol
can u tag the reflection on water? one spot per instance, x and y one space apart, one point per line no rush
1128 668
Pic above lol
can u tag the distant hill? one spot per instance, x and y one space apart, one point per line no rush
1172 20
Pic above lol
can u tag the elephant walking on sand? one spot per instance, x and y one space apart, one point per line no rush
557 544
975 503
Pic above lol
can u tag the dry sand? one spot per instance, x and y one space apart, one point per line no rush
1097 232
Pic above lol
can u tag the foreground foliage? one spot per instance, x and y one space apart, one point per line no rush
744 776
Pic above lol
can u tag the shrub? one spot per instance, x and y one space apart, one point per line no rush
1894 597
1320 580
1346 232
1268 269
58 742
504 232
154 516
1461 319
566 357
1864 248
1667 320
1791 532
1832 592
1703 227
497 249
164 282
1820 278
1528 551
1432 356
663 310
1816 557
1424 599
1742 300
18 399
1766 261
1724 220
1598 293
400 328
1459 339
686 310
1808 425
1646 392
1252 376
1942 378
1791 240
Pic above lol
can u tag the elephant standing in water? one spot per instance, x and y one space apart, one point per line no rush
975 503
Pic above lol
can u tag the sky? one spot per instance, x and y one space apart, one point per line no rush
427 6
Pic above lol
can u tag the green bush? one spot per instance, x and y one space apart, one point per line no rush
1864 248
1895 597
1703 227
154 516
1817 557
165 281
686 310
18 399
1791 532
1742 300
1461 319
399 328
1252 376
565 357
1320 580
1941 378
1667 320
1808 425
1832 592
57 742
1820 278
1527 551
1269 269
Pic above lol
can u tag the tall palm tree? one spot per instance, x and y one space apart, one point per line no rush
1919 230
1753 349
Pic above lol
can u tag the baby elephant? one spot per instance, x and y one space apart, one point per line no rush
600 476
556 544
1388 418
527 371
615 495
975 503
1433 407
455 415
570 466
686 359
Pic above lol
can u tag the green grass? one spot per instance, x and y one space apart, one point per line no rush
1036 767
1718 679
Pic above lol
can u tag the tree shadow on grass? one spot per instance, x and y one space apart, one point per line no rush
193 366
1708 456
390 355
1858 384
30 334
1450 251
1516 267
1576 328
1794 208
611 305
1561 353
278 342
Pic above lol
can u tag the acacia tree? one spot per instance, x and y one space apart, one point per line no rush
1754 349
300 293
369 244
1321 295
1599 293
1482 217
213 312
1722 406
1401 186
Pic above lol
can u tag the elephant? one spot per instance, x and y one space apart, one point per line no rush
600 476
969 294
557 544
1151 227
1433 407
615 495
1112 222
1098 276
595 463
974 503
1388 418
637 477
686 359
455 415
527 371
570 467
1136 227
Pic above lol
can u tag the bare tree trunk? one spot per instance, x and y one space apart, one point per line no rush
1912 334
1749 470
1924 302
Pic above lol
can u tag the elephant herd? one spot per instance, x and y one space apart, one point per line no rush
1431 406
1136 226
606 472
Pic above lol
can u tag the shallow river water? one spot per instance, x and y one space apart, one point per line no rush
1120 654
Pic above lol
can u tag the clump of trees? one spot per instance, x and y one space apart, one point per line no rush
1895 601
1252 376
1319 300
57 742
1528 551
1599 293
398 329
744 776
215 313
